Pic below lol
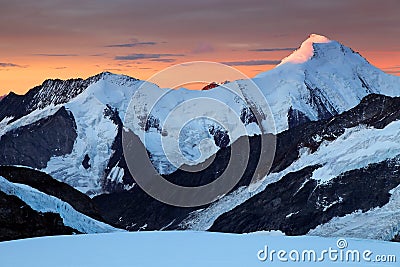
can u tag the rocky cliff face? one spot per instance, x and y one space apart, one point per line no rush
18 220
34 144
51 92
294 204
46 184
26 209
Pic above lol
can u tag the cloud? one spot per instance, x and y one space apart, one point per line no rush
98 55
252 62
133 44
10 65
146 56
56 55
393 71
5 66
219 22
59 68
273 49
393 67
203 48
166 60
114 69
243 45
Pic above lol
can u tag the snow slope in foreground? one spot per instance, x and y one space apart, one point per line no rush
181 249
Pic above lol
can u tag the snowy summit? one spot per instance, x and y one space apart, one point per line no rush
306 50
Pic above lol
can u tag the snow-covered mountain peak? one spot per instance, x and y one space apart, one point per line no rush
317 38
306 50
56 91
106 75
319 80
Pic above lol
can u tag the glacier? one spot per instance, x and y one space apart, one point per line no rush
42 202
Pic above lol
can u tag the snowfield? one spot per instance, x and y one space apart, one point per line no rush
195 249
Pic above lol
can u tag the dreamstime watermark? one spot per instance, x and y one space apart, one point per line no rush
156 118
340 253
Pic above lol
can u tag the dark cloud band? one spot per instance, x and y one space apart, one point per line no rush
10 65
273 49
132 44
146 56
56 55
252 62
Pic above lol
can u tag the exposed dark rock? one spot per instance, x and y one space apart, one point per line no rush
86 162
365 85
138 207
34 144
296 204
320 103
134 209
221 136
374 110
117 159
152 122
18 220
210 86
50 92
296 118
46 184
247 116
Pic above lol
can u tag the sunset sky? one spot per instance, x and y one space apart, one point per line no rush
67 39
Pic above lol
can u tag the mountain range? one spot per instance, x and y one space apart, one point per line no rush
334 172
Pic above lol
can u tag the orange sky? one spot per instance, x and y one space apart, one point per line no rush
20 79
55 39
